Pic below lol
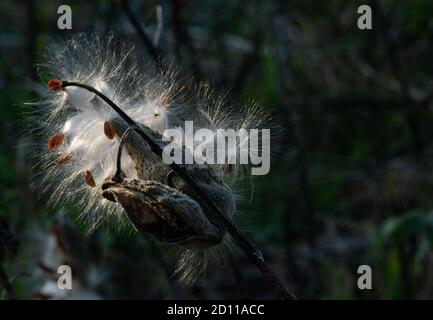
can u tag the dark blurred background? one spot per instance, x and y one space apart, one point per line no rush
352 183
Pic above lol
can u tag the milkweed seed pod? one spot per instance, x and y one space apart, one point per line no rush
78 137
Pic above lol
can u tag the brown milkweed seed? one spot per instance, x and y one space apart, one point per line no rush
109 130
63 158
88 177
55 85
164 100
55 141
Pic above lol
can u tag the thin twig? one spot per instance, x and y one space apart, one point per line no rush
154 52
252 252
182 37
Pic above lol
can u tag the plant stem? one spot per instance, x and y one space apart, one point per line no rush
248 247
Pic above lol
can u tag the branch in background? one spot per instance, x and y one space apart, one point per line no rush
32 30
350 103
153 51
181 36
159 26
250 250
251 60
390 33
247 63
288 89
